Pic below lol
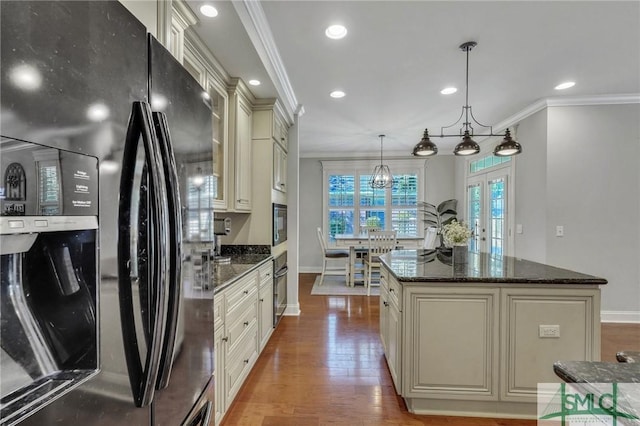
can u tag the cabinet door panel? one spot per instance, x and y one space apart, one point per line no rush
527 357
452 343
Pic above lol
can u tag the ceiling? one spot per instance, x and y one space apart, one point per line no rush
398 55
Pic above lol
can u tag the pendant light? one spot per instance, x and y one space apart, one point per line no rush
508 146
382 177
425 147
467 145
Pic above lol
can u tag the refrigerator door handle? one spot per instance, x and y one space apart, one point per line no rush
141 376
202 417
175 247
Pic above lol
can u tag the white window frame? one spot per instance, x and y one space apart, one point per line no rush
365 167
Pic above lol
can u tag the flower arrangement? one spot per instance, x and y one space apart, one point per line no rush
456 233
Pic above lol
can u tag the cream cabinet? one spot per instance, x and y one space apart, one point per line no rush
243 324
271 129
279 168
459 348
265 304
240 119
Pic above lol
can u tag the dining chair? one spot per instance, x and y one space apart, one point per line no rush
380 242
430 238
332 254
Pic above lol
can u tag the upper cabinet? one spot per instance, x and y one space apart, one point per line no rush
215 88
240 124
270 127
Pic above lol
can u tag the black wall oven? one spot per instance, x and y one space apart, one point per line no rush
279 287
279 224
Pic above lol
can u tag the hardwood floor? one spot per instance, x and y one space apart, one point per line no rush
327 367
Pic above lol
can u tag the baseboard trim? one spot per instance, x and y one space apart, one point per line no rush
620 316
292 310
310 269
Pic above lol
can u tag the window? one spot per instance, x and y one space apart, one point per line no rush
487 162
352 206
201 191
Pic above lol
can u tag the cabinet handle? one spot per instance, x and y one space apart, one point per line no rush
246 361
392 290
242 199
386 304
246 323
262 300
282 184
225 339
246 292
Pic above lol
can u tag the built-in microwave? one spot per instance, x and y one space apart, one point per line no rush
279 224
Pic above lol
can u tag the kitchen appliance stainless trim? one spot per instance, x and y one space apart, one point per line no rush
279 287
279 224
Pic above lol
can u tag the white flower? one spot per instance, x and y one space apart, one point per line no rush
456 233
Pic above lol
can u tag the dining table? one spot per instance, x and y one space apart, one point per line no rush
358 246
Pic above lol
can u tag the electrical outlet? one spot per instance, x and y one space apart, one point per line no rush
549 331
559 231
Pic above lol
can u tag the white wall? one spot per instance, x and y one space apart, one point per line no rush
593 190
440 184
531 188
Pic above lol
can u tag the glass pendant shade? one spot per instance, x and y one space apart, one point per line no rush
425 147
467 146
508 146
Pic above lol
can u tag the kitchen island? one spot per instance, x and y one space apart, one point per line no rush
476 339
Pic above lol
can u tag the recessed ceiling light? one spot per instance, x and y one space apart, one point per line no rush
336 31
448 90
565 85
97 112
337 94
208 11
254 82
26 77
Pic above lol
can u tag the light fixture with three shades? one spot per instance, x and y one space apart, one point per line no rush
467 145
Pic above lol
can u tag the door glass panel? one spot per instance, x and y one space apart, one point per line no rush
474 195
497 219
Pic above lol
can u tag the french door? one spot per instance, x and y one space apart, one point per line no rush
488 206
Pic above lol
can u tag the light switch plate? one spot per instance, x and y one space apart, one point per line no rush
559 231
519 228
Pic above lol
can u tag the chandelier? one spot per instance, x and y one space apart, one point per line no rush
382 177
467 145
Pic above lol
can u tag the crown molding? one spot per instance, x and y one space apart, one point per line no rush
561 101
255 22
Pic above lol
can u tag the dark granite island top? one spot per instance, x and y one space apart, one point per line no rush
436 266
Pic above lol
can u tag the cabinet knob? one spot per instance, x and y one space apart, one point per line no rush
392 290
246 292
386 304
246 323
246 361
225 339
262 300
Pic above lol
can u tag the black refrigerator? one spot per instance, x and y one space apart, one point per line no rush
86 77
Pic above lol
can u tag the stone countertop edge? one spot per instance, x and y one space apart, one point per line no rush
597 372
529 272
231 278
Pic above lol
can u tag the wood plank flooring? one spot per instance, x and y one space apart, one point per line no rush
327 367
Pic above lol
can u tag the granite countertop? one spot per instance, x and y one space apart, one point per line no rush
223 276
597 372
436 266
604 379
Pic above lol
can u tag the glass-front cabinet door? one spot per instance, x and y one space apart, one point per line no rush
219 101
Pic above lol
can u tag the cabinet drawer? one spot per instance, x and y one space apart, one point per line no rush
395 289
239 322
240 362
238 293
265 274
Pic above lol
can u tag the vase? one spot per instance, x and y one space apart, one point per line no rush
459 254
